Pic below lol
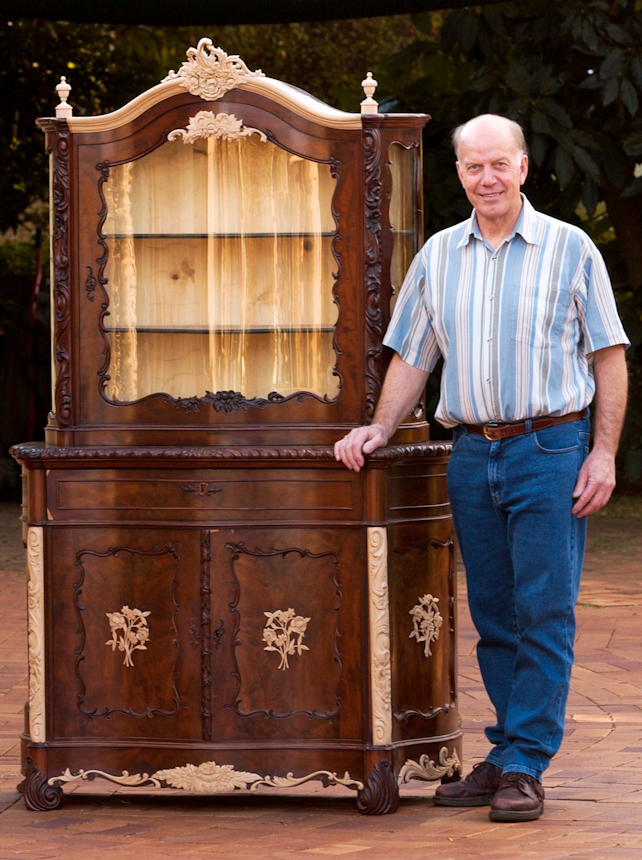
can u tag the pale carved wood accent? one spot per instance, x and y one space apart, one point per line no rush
280 631
427 770
129 632
209 778
209 72
380 670
206 124
426 622
36 627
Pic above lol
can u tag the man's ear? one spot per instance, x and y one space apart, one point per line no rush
523 169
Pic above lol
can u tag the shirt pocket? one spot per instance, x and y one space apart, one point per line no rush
537 312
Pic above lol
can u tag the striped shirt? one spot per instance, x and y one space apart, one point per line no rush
517 326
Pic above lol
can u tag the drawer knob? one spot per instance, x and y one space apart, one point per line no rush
201 489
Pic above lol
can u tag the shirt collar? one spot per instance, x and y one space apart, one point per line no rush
525 226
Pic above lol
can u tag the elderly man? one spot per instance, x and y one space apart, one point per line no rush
521 308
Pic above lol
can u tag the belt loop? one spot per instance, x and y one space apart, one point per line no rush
528 424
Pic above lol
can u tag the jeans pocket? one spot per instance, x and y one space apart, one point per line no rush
558 439
459 433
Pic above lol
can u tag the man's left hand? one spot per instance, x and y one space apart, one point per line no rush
594 484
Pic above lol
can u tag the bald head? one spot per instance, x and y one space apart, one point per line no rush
490 124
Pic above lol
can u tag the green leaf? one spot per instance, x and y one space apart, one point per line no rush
423 21
633 464
632 145
555 110
614 165
590 197
610 91
633 188
538 149
587 163
563 167
467 28
540 123
629 96
636 71
588 35
612 65
618 34
518 78
591 82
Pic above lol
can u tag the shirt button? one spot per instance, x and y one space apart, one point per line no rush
488 380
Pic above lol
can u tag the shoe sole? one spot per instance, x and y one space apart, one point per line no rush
507 815
482 800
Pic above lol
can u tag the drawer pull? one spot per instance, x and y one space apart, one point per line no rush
202 489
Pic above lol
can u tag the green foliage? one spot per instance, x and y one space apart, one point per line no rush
570 72
107 66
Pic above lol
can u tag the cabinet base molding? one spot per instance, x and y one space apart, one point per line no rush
209 777
426 769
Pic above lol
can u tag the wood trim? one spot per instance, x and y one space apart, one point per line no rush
380 658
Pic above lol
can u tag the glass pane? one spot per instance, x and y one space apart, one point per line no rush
220 272
403 213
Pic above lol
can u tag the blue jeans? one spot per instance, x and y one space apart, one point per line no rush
523 551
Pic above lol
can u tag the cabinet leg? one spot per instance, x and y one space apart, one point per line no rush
39 796
456 777
381 793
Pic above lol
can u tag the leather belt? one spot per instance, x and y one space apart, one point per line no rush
494 430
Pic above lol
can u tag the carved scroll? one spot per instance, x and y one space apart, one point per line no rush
209 777
210 73
428 770
206 637
380 670
36 626
374 320
61 294
206 124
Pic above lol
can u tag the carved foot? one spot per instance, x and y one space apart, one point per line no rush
381 793
456 777
40 797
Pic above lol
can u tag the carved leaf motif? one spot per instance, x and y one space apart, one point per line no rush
426 769
427 621
210 73
281 630
206 124
208 777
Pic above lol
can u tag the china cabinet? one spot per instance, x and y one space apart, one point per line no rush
214 602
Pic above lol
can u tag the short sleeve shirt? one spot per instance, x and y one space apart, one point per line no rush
516 325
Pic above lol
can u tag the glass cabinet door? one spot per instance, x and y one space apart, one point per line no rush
220 272
404 213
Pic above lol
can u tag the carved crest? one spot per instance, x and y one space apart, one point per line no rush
206 124
426 621
210 73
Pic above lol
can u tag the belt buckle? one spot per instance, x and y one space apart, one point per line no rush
490 424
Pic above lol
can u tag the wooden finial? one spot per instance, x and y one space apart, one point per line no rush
369 105
63 89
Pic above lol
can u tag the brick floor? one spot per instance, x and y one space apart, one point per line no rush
593 787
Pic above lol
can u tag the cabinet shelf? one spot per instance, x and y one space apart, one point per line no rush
272 235
222 329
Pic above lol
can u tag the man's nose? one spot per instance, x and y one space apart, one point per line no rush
488 177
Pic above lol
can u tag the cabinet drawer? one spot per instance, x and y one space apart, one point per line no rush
205 495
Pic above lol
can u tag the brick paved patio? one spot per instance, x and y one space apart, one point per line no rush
594 787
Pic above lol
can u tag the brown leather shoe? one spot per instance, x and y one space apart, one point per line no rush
476 790
520 797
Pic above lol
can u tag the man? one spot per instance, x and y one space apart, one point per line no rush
520 306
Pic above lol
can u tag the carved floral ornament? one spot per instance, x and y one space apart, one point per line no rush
129 632
210 73
209 778
427 621
284 632
426 769
221 126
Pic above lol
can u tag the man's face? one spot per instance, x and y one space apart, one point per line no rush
492 171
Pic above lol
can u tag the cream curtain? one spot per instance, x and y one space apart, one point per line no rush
220 272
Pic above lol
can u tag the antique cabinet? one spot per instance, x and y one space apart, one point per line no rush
214 602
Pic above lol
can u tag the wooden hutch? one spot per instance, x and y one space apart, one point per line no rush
214 602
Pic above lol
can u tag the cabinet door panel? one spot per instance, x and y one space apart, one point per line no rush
290 665
422 600
121 600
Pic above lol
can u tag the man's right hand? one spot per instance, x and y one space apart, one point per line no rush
360 441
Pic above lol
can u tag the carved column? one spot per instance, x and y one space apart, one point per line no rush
380 669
